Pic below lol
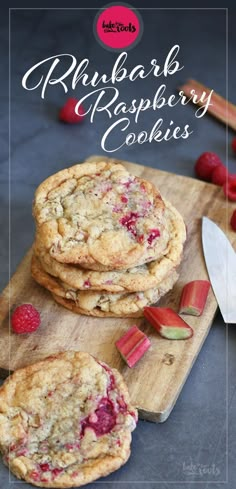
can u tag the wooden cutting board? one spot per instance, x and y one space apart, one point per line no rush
157 380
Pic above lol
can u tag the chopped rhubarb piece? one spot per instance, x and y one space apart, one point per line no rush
193 298
168 323
124 199
132 345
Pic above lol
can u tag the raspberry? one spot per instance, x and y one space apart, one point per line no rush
25 319
233 221
205 165
234 145
87 284
68 114
44 467
129 221
230 188
104 420
56 471
154 233
141 238
35 475
219 175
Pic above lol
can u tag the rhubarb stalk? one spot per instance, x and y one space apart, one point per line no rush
168 324
193 298
132 345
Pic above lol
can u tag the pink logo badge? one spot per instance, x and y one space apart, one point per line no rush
118 27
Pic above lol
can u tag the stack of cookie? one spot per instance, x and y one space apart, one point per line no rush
106 243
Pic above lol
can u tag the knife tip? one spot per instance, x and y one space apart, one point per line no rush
206 220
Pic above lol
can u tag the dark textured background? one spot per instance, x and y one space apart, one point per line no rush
195 433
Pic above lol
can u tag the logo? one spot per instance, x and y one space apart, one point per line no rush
201 470
118 27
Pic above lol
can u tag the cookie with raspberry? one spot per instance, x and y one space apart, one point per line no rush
128 306
65 421
101 303
142 277
98 215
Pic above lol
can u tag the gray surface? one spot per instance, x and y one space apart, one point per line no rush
195 433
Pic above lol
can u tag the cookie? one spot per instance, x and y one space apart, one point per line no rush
65 421
101 217
102 303
138 278
121 308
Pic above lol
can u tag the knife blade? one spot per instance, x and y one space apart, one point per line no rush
220 259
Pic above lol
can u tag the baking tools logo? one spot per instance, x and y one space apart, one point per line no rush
118 26
201 470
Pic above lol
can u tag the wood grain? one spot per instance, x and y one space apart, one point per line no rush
157 380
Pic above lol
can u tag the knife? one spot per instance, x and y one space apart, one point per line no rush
220 259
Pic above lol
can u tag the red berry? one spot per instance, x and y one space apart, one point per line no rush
25 319
87 284
68 114
219 175
44 467
35 475
234 144
56 471
233 221
154 233
205 165
129 221
230 188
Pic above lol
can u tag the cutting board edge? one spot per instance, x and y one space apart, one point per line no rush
162 416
